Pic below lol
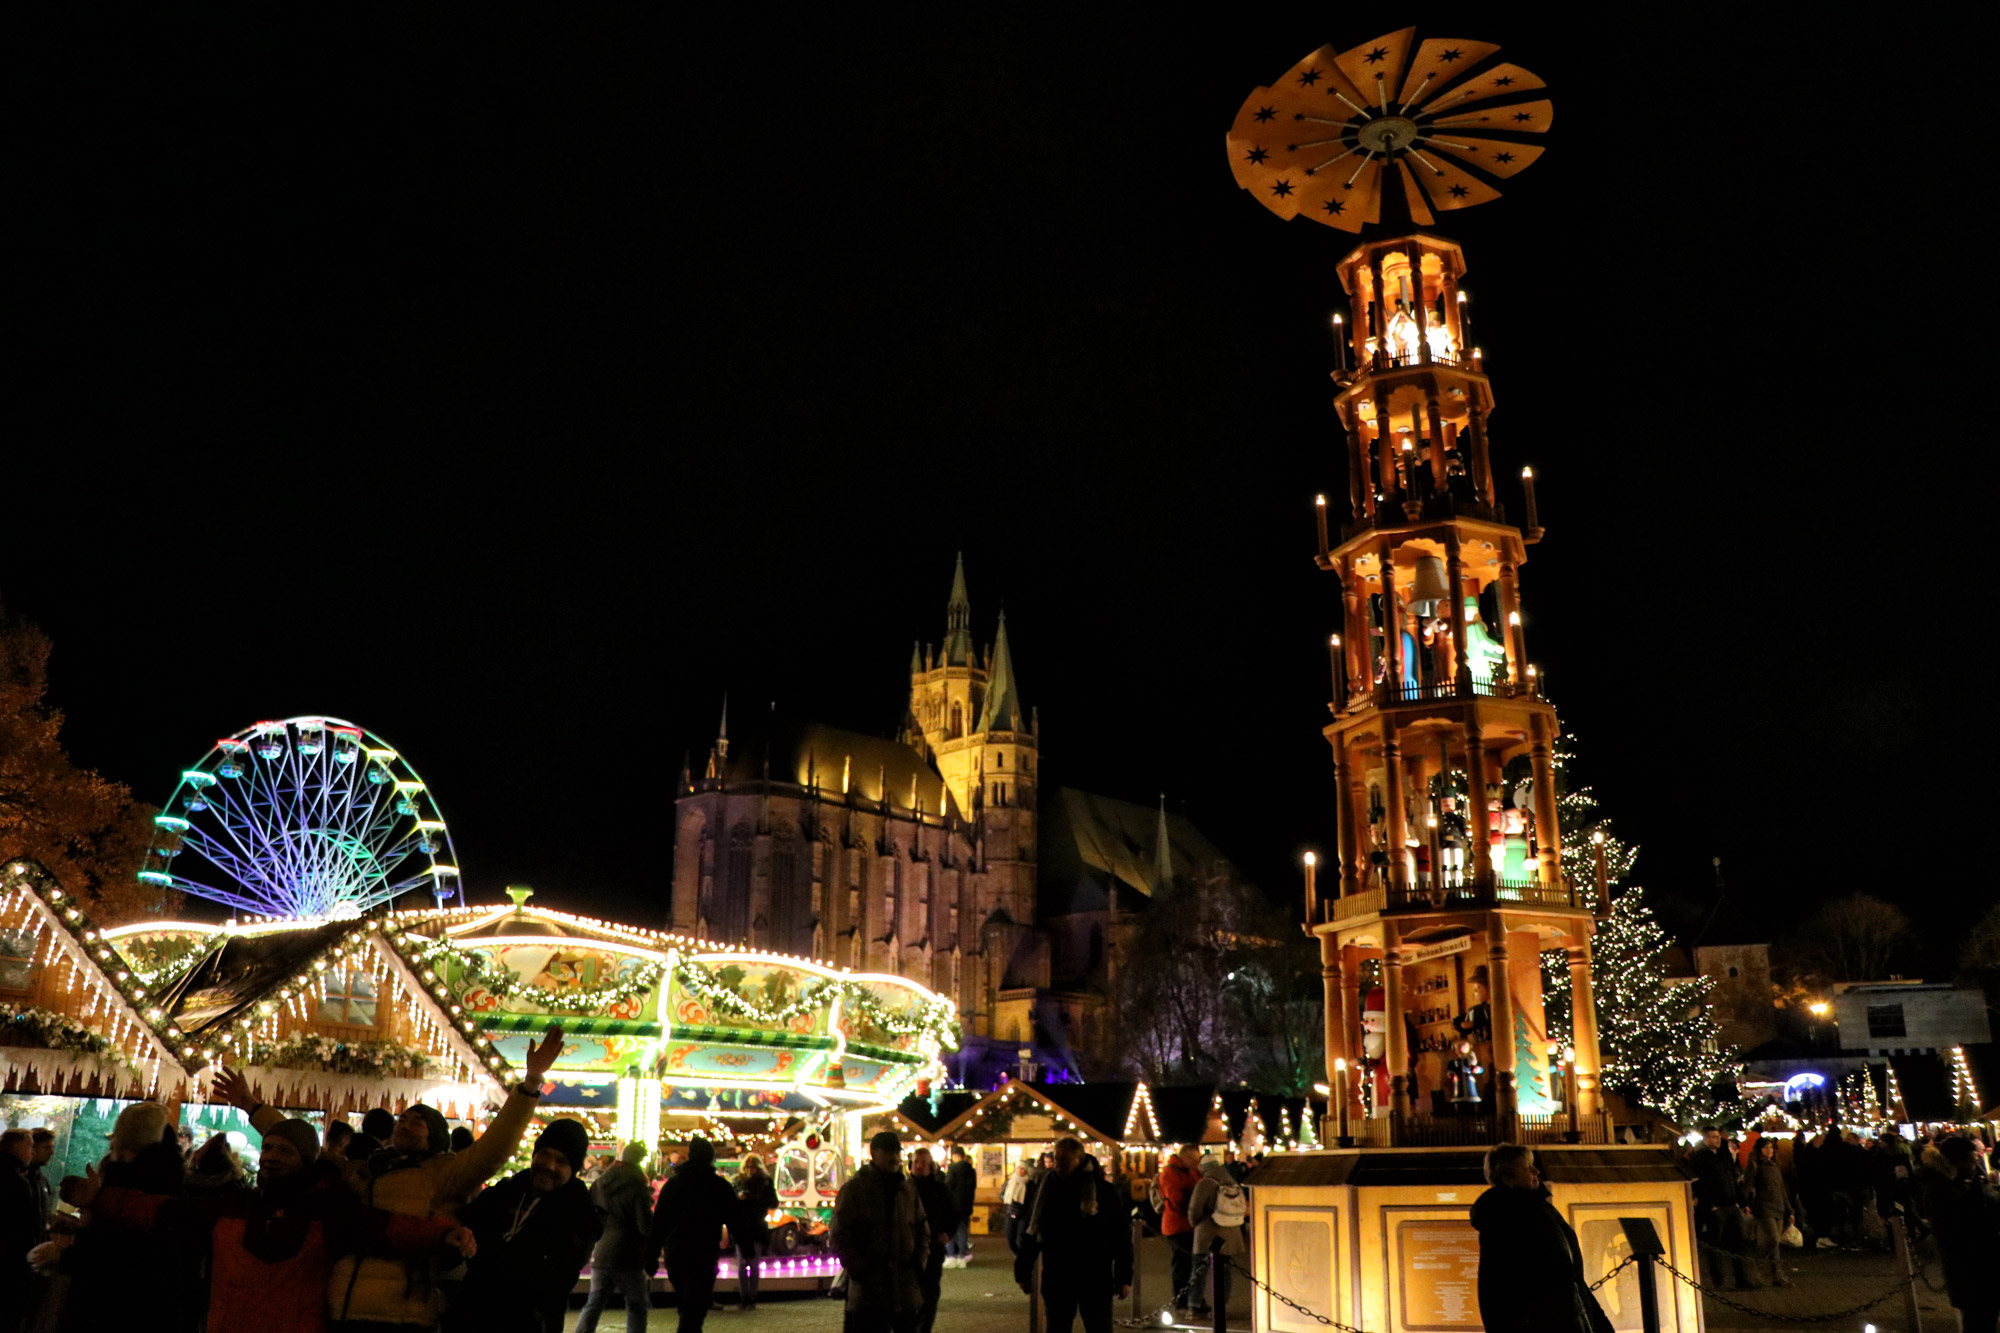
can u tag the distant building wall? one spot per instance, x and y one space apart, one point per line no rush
1887 1017
1742 996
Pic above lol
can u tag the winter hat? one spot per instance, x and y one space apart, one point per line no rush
300 1134
440 1131
567 1137
700 1152
139 1126
461 1138
633 1154
379 1123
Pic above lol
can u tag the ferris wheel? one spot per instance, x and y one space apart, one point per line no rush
311 817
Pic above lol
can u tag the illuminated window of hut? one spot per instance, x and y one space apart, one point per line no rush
18 971
350 999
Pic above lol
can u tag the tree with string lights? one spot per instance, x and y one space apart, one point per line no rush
1658 1037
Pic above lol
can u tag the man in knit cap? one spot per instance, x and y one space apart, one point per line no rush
535 1229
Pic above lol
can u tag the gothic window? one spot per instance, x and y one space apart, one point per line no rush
957 721
729 916
789 892
1000 759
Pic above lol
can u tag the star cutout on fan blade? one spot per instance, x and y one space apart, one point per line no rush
1265 112
1309 77
1282 188
1450 55
1378 55
1504 81
1503 157
1523 115
1459 192
1335 206
1255 155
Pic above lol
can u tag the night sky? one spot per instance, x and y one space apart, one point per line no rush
515 388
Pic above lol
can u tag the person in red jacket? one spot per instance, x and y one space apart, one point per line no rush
1177 1181
273 1247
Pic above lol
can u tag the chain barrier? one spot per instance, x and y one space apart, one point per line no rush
1623 1264
1778 1316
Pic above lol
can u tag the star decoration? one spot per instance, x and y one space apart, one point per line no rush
1503 157
1311 76
1282 188
1335 206
1523 115
1504 81
1451 55
1298 115
1256 155
1265 112
1378 55
1459 192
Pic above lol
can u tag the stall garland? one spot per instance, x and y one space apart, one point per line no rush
33 1026
379 1059
474 970
937 1019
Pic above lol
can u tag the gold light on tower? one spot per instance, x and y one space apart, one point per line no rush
1429 126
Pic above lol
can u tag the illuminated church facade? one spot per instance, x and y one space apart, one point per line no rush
936 855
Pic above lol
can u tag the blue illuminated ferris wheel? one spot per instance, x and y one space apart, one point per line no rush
311 817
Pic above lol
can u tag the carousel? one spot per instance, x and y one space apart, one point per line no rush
333 996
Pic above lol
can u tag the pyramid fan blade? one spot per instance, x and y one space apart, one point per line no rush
1452 186
1377 67
1493 156
1500 81
1526 117
1420 212
1439 61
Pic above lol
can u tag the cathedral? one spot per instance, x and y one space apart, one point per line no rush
936 855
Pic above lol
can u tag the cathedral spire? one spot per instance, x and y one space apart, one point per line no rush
958 620
1003 710
722 730
1163 857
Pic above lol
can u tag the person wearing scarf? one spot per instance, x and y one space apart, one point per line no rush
1081 1232
272 1247
535 1230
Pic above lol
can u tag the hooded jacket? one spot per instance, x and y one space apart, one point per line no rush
1531 1267
272 1248
1215 1178
531 1248
404 1291
625 1204
1177 1182
693 1209
883 1239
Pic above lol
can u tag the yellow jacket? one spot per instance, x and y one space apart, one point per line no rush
399 1291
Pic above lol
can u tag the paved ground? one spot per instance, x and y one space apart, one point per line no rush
979 1299
983 1299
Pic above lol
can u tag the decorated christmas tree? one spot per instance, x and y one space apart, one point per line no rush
1658 1039
1531 1086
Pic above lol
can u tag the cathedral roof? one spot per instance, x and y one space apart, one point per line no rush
811 752
1089 840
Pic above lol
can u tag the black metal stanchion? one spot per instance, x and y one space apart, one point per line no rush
1138 1268
1899 1233
1216 1289
1646 1249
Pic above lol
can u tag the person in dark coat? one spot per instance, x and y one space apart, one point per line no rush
941 1216
1720 1218
625 1203
1530 1265
1964 1210
883 1240
756 1196
20 1229
963 1182
688 1220
114 1285
1081 1232
534 1231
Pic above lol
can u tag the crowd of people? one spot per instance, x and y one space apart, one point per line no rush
1756 1196
389 1228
